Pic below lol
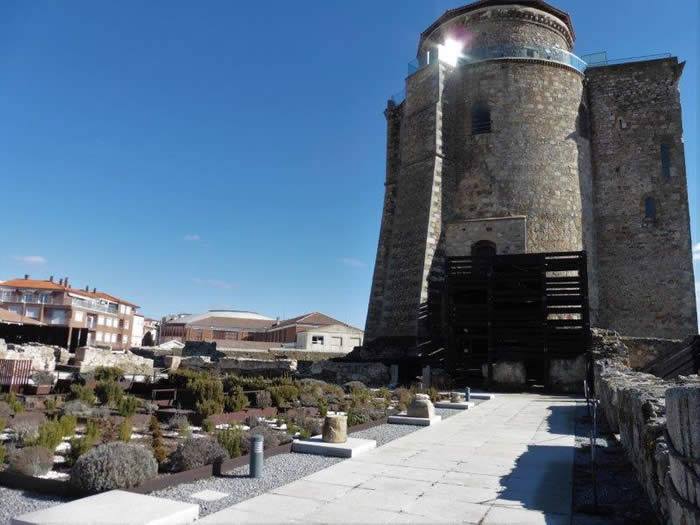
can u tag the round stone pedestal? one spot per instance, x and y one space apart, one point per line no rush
335 429
421 406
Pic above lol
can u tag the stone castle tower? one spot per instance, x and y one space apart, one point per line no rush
508 142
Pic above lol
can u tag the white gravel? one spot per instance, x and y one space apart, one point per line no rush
17 502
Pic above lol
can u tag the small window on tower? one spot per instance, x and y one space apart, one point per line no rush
650 208
583 122
665 159
483 248
481 119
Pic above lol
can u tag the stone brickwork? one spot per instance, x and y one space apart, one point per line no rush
644 263
508 233
88 358
635 406
42 357
566 164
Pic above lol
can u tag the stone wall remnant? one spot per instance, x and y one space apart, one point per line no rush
89 358
43 357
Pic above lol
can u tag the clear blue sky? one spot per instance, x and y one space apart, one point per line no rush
195 155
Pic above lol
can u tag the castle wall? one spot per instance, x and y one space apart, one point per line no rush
645 267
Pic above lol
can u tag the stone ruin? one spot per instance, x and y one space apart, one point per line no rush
658 423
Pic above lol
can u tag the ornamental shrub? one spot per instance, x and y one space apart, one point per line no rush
82 393
109 392
113 466
68 423
263 399
271 438
31 461
50 404
50 435
3 452
5 411
127 406
77 408
2 424
236 400
125 429
208 425
322 407
357 417
230 439
283 394
108 373
26 432
16 406
80 446
209 408
196 452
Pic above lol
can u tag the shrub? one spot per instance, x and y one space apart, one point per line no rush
357 417
26 432
154 425
3 452
209 408
50 404
82 393
208 425
230 440
5 411
2 424
384 393
158 449
92 428
80 446
31 461
322 407
283 394
404 397
236 400
196 452
108 373
50 435
354 385
113 466
16 406
42 377
109 392
271 438
127 406
77 408
263 399
125 429
68 423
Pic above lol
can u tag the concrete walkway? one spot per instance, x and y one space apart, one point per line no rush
507 461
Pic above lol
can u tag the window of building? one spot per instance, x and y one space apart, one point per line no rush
45 298
121 308
28 298
665 159
481 119
317 340
483 248
99 336
127 309
100 319
650 208
126 325
78 315
33 312
15 309
583 123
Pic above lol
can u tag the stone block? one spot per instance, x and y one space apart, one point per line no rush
568 375
126 508
335 429
42 357
352 447
509 374
403 419
461 405
421 407
89 358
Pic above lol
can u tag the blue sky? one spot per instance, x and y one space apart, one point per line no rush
196 155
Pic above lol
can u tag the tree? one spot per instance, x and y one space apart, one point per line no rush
147 339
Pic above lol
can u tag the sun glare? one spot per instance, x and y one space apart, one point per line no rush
450 51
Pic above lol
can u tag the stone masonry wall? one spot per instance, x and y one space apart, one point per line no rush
645 267
508 234
635 406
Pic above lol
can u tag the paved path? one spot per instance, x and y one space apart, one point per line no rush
507 461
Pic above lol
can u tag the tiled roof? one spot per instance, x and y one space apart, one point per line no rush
230 323
33 284
314 318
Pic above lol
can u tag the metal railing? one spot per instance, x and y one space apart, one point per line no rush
94 305
601 59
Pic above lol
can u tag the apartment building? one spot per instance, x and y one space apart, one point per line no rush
90 316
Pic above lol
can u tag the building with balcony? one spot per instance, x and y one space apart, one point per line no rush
81 316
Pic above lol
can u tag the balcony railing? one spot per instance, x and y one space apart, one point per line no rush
601 59
94 305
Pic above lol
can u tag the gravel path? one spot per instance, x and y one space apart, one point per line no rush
17 502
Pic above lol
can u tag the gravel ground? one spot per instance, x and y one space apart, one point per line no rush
16 502
278 470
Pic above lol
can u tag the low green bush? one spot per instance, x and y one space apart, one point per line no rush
16 406
108 373
68 423
80 446
230 440
31 461
283 395
2 424
127 406
50 435
50 404
209 408
113 466
357 417
125 429
263 399
82 393
322 407
3 453
208 425
236 400
109 392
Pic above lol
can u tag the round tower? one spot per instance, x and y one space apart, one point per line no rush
515 126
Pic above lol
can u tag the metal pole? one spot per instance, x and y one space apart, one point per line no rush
256 456
594 442
468 394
